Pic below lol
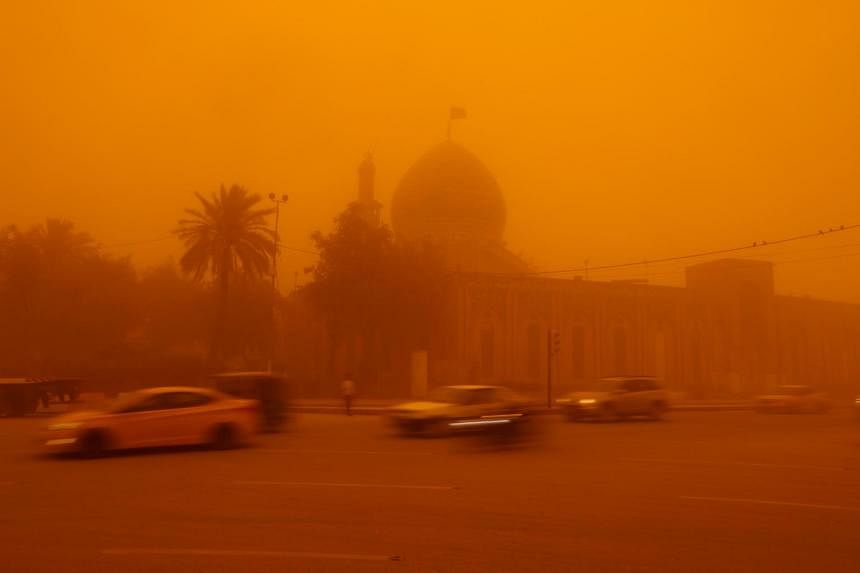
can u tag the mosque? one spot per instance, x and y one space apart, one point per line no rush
724 334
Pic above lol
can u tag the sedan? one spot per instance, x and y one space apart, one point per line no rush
611 399
169 416
456 409
793 399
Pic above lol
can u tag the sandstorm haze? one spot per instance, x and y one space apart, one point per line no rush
618 131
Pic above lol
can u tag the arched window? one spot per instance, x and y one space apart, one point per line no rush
533 351
488 355
619 350
578 352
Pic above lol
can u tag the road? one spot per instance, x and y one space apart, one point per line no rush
722 491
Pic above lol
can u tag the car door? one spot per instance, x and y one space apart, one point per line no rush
192 417
629 397
144 423
478 401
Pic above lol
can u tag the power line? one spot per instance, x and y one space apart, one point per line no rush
167 237
754 245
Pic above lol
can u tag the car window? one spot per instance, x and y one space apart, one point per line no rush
503 395
646 384
481 396
174 400
630 385
148 404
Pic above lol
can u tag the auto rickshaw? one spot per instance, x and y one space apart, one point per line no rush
21 396
267 388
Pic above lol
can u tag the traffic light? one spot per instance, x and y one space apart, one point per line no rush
556 342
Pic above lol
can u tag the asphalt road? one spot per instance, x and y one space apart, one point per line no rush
722 491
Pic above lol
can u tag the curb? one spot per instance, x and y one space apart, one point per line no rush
380 410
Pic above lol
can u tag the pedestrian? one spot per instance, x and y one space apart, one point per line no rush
347 388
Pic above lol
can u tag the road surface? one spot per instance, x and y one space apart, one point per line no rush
722 491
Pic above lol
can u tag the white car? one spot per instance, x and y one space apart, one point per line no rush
610 399
453 409
169 416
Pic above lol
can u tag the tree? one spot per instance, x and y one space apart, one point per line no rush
227 235
374 293
66 307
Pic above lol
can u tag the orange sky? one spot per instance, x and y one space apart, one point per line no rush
618 130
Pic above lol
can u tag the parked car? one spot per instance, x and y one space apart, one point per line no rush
271 390
793 399
610 399
168 416
453 409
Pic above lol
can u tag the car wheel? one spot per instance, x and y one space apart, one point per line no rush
5 407
223 437
435 428
658 410
571 415
608 413
94 444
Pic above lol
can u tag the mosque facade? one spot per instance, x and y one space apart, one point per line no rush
725 334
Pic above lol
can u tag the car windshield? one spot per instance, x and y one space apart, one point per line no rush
604 385
793 390
448 395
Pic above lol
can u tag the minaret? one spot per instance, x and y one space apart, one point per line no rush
369 205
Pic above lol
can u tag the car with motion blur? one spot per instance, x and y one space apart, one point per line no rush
153 417
615 398
455 409
793 399
270 390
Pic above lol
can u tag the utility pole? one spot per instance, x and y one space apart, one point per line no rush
278 201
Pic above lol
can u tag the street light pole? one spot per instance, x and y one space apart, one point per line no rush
278 201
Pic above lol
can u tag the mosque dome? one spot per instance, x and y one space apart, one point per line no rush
448 195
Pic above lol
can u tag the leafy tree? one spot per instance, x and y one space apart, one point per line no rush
66 307
225 236
375 294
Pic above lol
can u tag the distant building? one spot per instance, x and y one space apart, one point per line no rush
725 334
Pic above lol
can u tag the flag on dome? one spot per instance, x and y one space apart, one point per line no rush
458 113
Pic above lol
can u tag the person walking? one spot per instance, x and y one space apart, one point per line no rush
347 388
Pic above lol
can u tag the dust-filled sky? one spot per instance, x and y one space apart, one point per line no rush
619 130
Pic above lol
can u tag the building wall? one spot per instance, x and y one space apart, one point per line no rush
726 335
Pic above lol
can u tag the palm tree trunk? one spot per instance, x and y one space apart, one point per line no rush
217 350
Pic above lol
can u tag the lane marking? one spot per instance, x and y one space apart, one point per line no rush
731 463
771 502
340 452
249 553
359 485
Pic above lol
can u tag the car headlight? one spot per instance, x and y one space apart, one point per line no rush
586 401
65 426
567 401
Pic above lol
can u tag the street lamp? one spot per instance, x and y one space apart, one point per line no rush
278 201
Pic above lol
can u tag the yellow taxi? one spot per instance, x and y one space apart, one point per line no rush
168 416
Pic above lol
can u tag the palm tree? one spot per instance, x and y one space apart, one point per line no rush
227 235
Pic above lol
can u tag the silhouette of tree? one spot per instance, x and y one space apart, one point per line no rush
371 288
226 236
67 308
